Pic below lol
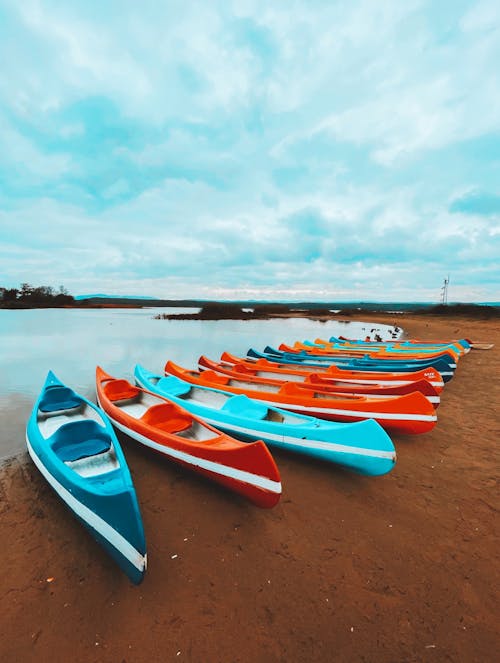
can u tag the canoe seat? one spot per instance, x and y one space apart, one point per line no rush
120 390
241 368
79 439
59 398
292 389
242 406
212 376
167 417
173 386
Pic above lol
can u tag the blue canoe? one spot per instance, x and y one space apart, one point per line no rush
460 345
363 447
381 365
444 359
73 445
408 353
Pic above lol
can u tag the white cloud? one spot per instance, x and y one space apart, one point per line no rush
414 92
299 162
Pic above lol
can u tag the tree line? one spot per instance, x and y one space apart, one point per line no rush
28 295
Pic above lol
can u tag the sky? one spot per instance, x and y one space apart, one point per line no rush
301 150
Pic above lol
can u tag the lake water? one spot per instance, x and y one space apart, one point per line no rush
71 342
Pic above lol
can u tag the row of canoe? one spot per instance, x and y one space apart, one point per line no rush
319 398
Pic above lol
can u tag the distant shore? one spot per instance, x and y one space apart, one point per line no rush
20 306
215 310
228 311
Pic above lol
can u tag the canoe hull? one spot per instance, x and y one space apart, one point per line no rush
106 504
319 381
393 352
411 413
460 347
445 361
362 377
363 447
247 469
444 368
257 489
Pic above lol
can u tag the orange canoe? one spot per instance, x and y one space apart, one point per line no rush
315 381
396 346
411 413
340 374
376 353
247 468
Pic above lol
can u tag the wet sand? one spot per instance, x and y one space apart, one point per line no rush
400 568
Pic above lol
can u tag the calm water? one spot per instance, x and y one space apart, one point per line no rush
72 342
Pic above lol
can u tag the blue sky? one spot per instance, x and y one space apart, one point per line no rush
258 150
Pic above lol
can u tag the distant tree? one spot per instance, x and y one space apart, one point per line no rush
25 292
64 299
10 294
42 295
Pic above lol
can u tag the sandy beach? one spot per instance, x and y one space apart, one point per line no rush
399 568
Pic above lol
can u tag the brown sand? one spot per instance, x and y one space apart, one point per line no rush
399 568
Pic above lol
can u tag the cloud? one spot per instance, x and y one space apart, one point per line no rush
317 150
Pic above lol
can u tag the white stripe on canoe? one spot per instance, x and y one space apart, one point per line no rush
96 522
320 385
393 416
309 368
385 383
340 364
384 397
381 381
300 442
287 439
210 466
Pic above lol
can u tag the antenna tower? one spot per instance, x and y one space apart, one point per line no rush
444 290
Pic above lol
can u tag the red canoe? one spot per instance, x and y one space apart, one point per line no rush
315 381
360 377
411 413
247 468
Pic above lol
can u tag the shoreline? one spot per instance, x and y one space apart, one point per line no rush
399 567
263 311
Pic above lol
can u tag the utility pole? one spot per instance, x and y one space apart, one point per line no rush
444 290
